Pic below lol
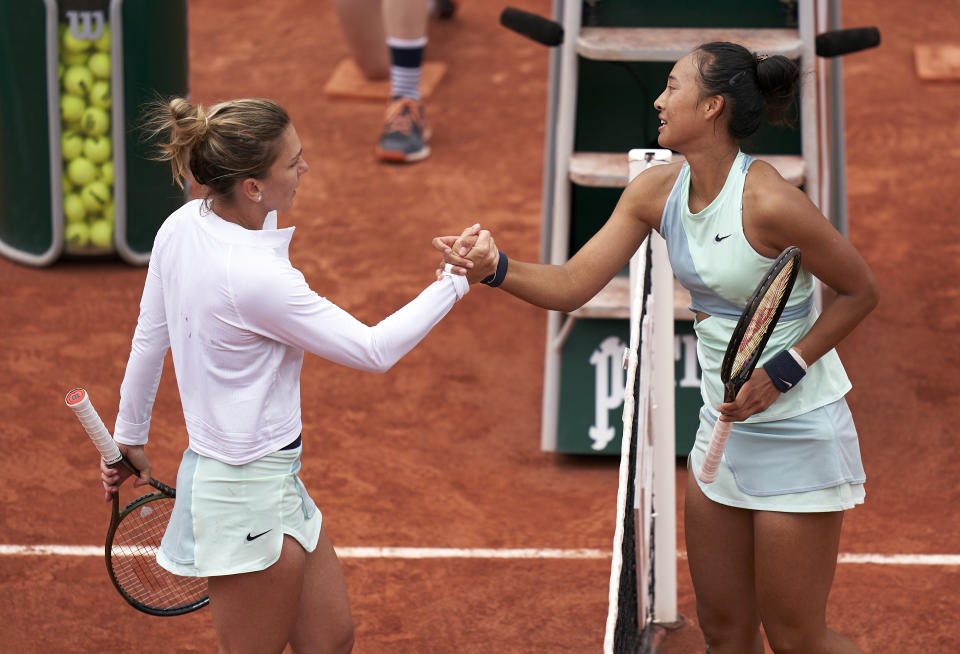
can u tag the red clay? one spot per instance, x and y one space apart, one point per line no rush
443 451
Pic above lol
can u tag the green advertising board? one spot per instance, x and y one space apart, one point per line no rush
593 380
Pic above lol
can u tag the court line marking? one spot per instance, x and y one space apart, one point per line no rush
352 552
491 553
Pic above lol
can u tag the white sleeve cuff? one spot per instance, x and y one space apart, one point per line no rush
128 433
460 284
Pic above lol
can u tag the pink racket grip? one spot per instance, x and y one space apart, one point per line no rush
718 441
79 401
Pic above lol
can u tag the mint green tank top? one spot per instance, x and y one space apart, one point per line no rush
712 258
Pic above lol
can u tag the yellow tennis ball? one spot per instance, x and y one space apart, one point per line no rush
72 108
95 196
76 234
78 80
109 213
74 59
71 43
100 94
99 65
97 148
71 144
95 121
106 172
73 208
102 43
81 172
101 233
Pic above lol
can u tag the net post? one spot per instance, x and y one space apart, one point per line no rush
664 437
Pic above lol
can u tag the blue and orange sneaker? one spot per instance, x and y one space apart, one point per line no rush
405 132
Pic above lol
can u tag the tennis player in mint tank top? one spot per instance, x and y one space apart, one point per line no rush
762 540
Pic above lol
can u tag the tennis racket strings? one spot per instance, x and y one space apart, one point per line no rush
133 563
764 317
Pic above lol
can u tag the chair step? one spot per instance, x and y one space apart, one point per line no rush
611 169
613 301
671 43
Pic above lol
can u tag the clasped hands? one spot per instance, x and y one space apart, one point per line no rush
473 253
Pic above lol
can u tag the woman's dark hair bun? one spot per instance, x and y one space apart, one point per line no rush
751 85
778 78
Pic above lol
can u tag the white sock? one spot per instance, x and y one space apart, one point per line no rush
406 61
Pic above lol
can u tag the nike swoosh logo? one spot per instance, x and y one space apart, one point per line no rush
783 381
250 538
719 238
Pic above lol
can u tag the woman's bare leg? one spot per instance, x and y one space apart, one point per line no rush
796 561
721 559
324 624
255 612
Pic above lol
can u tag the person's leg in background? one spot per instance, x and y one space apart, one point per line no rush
361 22
405 134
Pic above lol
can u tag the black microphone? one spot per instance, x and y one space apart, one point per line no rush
540 29
841 42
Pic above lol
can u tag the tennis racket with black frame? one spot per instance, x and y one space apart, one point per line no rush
750 336
135 532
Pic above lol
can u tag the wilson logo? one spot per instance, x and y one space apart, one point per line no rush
86 25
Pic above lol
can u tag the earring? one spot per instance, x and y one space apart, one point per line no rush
259 197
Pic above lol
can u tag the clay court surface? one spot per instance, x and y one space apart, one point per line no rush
443 451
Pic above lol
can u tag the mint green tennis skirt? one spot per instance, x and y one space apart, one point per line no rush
230 519
806 464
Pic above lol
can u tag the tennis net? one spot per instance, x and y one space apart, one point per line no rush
643 590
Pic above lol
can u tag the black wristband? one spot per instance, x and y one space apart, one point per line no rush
497 278
784 371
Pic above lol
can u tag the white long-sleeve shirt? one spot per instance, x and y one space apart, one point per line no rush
237 317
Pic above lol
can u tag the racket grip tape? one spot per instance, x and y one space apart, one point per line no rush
718 441
79 400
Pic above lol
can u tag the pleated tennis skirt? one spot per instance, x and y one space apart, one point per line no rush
231 519
806 464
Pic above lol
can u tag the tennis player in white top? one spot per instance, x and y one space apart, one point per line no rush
223 297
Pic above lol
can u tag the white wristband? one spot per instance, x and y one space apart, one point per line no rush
799 359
